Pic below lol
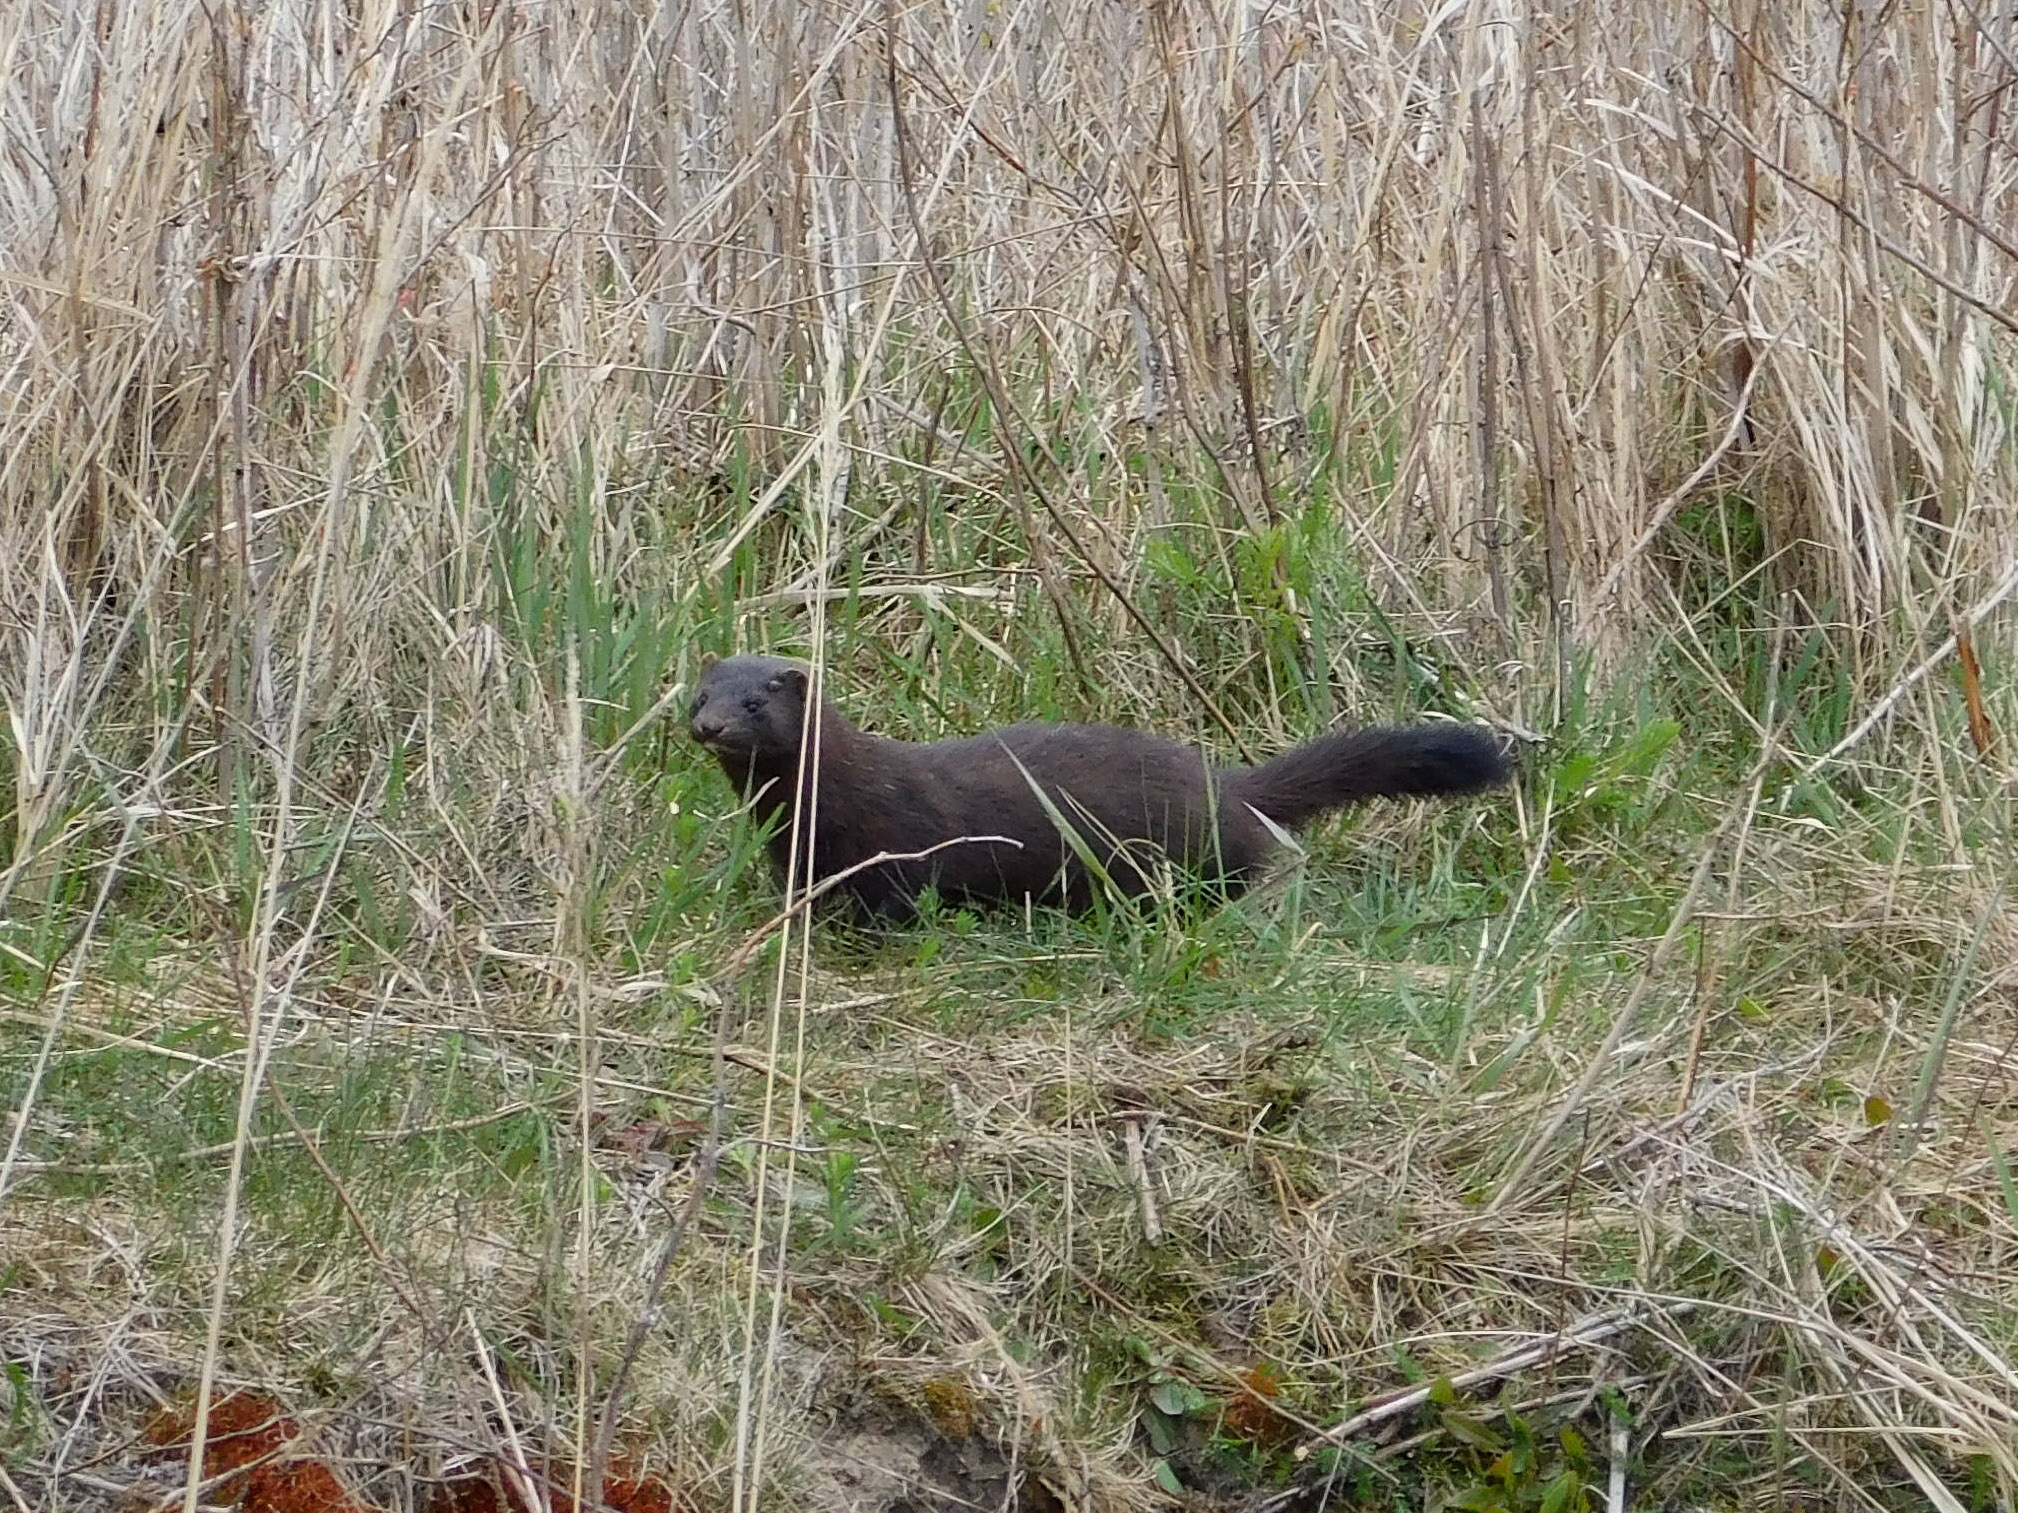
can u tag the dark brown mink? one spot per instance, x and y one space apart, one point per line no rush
1129 796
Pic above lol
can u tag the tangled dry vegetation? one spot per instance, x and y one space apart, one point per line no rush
405 1094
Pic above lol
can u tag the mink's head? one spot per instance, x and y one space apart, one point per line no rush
751 708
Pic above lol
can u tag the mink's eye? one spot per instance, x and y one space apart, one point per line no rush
753 706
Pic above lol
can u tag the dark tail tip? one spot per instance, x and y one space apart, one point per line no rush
1457 759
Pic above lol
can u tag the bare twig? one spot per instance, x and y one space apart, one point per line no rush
1586 1332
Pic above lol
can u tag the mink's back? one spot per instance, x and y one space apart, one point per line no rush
1116 788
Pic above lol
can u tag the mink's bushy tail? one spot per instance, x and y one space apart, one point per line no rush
1392 762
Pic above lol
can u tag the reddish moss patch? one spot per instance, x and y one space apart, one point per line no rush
249 1433
641 1494
625 1490
1250 1414
244 1427
298 1486
472 1494
247 1429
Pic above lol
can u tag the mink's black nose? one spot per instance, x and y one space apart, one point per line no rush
707 728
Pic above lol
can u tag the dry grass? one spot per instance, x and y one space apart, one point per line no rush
394 403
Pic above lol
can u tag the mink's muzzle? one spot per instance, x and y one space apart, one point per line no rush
710 727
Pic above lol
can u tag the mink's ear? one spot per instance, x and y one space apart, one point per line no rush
794 678
708 659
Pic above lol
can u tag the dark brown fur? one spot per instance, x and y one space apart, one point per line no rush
1129 796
